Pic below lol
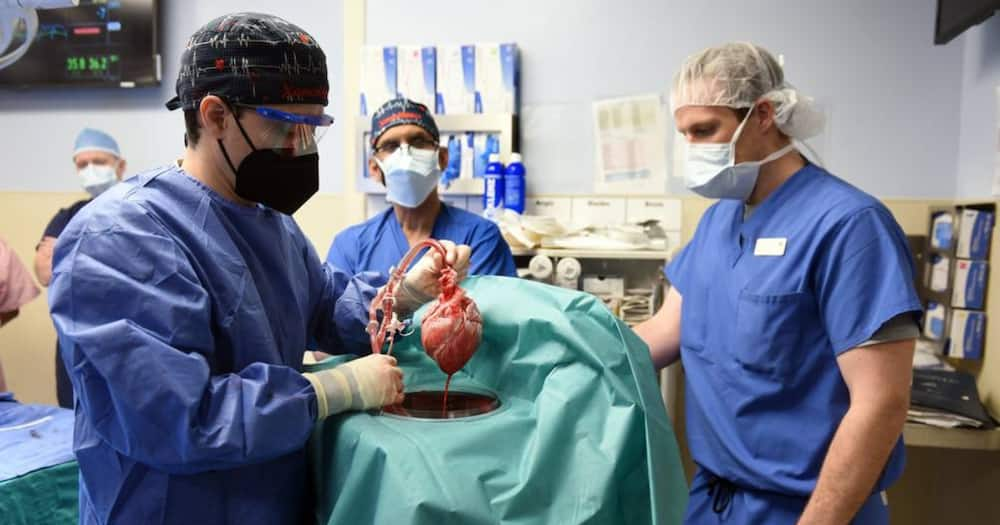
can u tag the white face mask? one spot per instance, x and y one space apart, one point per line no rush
710 169
410 175
97 179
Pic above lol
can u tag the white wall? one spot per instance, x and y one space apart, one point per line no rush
38 127
978 137
893 96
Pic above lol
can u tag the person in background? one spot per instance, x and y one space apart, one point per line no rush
407 159
16 290
186 296
99 165
792 309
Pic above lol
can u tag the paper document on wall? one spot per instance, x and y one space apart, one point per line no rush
631 144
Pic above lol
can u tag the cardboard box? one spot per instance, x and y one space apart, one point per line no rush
934 321
379 75
418 73
967 334
975 229
938 273
497 78
969 287
942 231
456 80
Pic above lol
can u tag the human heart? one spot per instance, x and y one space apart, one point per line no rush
452 329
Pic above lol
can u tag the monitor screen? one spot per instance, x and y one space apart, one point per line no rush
955 16
100 43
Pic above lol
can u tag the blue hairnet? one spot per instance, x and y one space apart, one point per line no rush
91 139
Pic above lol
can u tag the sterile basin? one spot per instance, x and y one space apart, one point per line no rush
429 404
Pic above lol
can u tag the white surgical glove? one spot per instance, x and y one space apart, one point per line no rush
369 382
420 285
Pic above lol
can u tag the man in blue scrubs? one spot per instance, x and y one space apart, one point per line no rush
407 159
100 165
792 309
185 297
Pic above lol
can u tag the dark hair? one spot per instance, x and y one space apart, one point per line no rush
192 128
192 125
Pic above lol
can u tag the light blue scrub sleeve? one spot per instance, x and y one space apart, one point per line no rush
491 254
864 278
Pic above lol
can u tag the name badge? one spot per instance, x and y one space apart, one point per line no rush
773 247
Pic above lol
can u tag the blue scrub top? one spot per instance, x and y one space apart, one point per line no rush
760 334
379 243
182 319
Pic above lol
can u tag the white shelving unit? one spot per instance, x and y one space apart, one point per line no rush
917 435
502 124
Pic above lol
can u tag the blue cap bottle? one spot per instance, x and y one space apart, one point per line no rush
493 192
513 184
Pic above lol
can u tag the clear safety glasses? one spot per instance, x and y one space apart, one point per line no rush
293 134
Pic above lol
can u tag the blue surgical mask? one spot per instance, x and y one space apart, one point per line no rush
410 175
97 179
710 170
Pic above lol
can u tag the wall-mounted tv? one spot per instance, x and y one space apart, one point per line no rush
955 16
98 43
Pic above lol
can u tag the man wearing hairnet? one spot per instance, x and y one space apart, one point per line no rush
99 165
185 297
792 308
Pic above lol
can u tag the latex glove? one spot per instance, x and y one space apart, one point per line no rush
421 283
372 381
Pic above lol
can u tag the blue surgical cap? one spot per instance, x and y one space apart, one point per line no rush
91 139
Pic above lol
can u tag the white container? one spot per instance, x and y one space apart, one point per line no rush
598 211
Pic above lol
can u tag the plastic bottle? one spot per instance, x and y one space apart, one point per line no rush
493 191
513 184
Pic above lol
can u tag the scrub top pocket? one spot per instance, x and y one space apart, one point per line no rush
769 331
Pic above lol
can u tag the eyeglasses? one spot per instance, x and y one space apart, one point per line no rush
391 146
290 131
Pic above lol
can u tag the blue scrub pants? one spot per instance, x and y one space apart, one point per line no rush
714 503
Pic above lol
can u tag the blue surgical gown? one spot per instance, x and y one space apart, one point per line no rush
379 243
182 318
760 334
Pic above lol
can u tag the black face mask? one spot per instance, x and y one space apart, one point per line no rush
274 177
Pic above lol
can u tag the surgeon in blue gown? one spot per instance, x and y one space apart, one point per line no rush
407 158
792 309
185 297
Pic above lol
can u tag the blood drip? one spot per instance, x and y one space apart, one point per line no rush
452 329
